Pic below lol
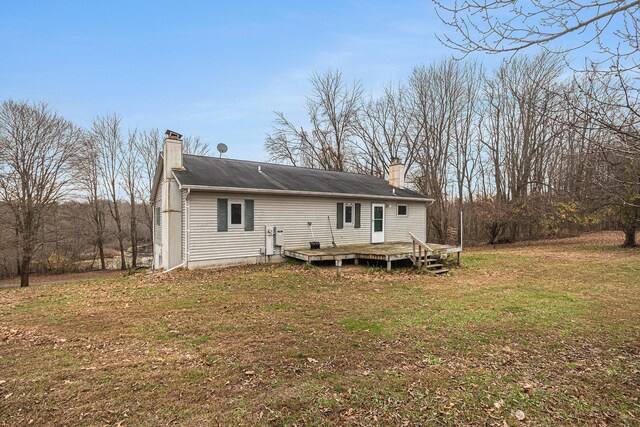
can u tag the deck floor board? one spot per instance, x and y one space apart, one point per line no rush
388 251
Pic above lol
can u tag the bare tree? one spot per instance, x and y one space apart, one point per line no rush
386 130
520 134
148 146
444 104
612 127
130 172
496 26
195 145
613 69
88 172
36 149
107 136
333 115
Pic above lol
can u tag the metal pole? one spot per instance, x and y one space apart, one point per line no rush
461 228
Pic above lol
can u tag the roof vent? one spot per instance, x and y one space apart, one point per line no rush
260 169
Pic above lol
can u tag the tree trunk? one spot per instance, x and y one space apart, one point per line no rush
134 233
629 237
123 261
493 233
25 264
18 269
103 265
117 218
98 220
630 219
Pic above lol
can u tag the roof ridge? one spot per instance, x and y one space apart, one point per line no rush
283 165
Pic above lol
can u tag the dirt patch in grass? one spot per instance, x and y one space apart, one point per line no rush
549 330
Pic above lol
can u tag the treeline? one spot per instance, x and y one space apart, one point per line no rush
71 197
67 240
527 150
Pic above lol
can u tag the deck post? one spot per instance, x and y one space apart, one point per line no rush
388 266
419 257
356 261
339 268
415 260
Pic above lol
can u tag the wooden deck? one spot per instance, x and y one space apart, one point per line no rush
389 252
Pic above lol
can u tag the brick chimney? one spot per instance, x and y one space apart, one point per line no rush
396 173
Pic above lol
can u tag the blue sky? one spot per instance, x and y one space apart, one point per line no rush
215 69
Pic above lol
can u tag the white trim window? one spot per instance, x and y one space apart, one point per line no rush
236 213
402 210
348 214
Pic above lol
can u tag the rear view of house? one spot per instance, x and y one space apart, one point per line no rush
211 211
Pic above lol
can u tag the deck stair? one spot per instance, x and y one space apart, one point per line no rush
425 256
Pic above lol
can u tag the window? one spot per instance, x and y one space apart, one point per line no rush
157 216
348 214
402 210
235 213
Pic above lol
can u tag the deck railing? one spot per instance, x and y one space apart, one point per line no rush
420 245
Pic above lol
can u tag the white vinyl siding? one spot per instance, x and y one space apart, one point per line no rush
157 225
290 214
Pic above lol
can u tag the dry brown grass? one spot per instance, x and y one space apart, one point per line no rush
548 329
50 279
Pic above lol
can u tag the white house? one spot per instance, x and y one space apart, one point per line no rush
211 211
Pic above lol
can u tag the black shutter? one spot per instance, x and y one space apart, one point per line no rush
340 216
248 215
223 213
356 222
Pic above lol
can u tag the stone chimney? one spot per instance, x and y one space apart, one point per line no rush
171 216
396 173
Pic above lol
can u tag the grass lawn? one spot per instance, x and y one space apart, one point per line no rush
550 331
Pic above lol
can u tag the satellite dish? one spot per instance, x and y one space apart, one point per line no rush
222 148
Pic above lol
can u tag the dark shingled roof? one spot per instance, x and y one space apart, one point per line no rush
242 174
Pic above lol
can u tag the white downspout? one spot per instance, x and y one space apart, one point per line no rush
187 225
173 268
184 263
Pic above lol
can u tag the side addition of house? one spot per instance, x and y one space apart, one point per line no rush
210 211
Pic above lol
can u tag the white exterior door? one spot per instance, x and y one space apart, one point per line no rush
377 223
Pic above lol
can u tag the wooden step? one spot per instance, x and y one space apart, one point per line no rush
429 266
424 261
441 271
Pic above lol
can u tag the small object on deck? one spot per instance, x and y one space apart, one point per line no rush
314 244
